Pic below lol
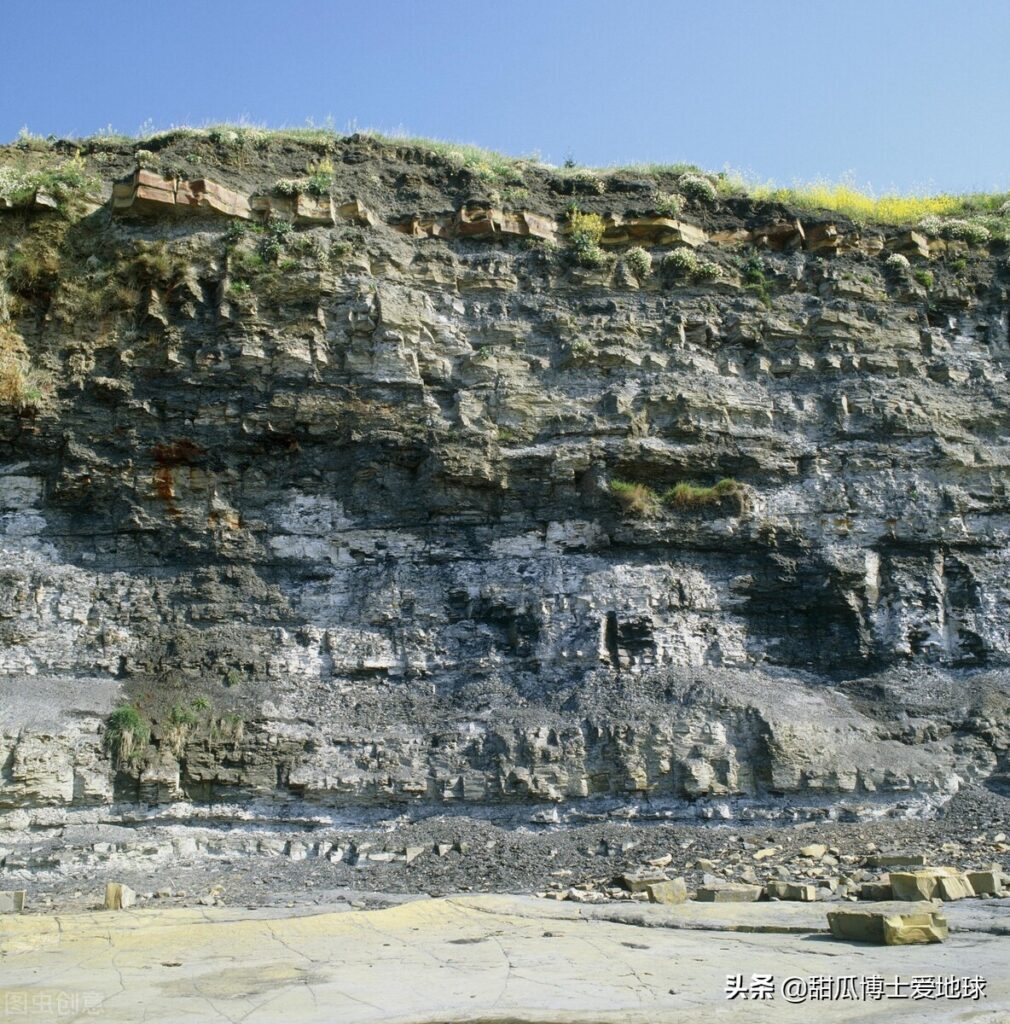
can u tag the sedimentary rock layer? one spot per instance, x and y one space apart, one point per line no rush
333 505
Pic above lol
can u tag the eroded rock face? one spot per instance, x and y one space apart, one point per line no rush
340 523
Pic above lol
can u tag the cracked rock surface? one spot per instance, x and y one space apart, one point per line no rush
477 959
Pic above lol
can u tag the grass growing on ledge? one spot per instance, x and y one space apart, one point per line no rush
21 386
642 501
64 182
127 733
686 495
636 499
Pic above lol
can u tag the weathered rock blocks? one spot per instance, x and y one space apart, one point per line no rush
888 929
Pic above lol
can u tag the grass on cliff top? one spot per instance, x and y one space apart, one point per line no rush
860 205
864 207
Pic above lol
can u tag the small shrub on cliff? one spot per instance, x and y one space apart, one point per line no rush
583 182
965 231
227 727
14 386
897 263
974 231
157 264
514 196
339 251
127 732
635 499
585 232
706 270
318 182
680 263
182 720
698 188
32 269
235 232
668 204
320 179
684 263
753 272
924 277
638 261
273 239
28 140
15 186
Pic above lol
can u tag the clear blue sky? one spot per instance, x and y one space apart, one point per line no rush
897 93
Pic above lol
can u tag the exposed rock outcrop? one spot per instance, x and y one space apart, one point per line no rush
332 508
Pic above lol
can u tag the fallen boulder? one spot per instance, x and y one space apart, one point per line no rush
673 890
989 882
729 892
897 860
887 929
930 883
814 850
876 891
12 901
798 891
118 896
640 879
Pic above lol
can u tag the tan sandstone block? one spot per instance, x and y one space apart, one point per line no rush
887 929
672 891
929 883
798 891
731 892
12 901
119 897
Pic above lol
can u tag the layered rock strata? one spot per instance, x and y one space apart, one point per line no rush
336 514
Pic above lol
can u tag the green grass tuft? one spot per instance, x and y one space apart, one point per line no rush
686 495
127 733
636 499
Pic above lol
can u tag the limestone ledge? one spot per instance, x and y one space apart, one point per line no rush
692 756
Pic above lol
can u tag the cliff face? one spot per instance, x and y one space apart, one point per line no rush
381 508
